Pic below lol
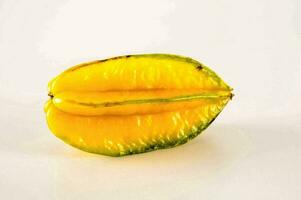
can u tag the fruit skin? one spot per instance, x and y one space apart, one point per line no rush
76 116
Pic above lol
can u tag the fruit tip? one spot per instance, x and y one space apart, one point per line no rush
50 95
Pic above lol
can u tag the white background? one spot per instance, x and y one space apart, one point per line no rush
252 151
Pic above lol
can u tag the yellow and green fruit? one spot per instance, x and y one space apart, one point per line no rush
134 104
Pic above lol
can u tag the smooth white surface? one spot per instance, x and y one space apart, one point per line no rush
252 151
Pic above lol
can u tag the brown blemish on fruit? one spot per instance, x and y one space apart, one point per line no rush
200 67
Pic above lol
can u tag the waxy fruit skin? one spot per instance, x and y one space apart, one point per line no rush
135 103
